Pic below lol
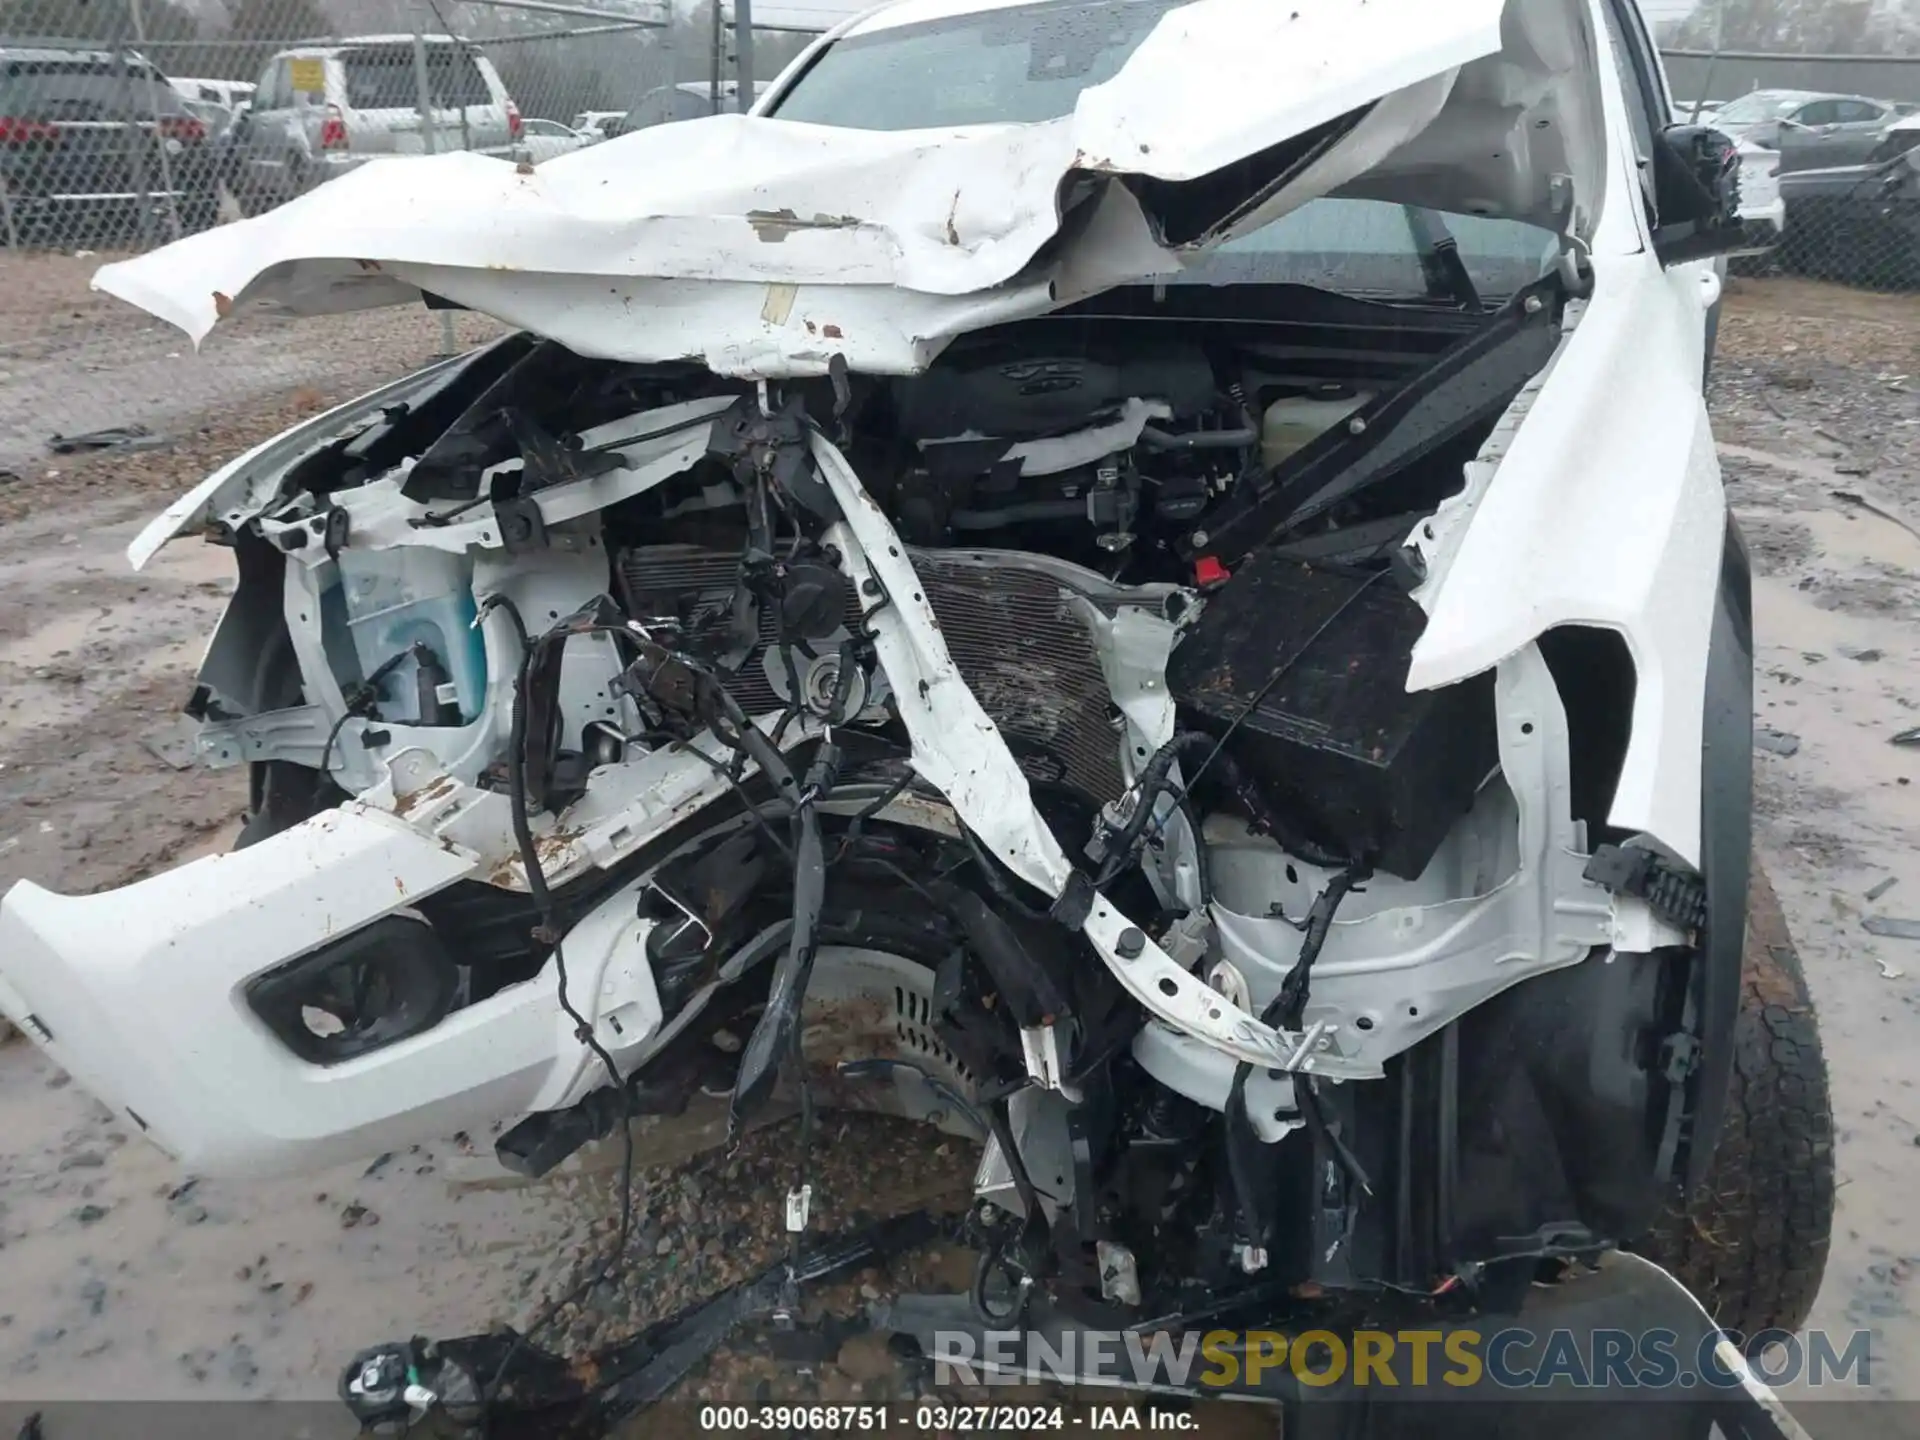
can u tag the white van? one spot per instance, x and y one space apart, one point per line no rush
322 109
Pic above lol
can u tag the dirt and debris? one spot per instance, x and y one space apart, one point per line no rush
261 1289
1833 578
73 360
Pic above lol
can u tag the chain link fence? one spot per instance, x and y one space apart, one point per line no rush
1849 205
125 124
1830 159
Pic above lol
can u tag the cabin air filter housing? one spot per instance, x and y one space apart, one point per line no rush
1336 740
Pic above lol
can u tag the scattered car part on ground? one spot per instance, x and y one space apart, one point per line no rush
502 1385
118 437
1217 724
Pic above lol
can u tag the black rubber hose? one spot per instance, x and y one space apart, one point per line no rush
1151 784
996 881
1015 514
1156 439
977 1292
552 923
1291 1001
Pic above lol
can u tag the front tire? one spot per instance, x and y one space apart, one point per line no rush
1752 1242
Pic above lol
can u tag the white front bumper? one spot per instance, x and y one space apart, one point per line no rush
138 993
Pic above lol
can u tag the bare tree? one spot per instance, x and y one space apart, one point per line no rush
1800 27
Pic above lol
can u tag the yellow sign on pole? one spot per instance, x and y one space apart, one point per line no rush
309 76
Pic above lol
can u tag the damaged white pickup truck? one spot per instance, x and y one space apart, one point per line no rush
1146 581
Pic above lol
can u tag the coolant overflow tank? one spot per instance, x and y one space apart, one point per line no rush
1294 421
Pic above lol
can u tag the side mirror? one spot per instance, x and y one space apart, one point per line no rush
1696 194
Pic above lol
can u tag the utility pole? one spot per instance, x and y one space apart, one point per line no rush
423 102
159 140
743 52
719 44
1719 42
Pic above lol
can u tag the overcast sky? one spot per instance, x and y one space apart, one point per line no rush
825 12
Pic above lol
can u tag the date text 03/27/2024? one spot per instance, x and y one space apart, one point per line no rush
938 1419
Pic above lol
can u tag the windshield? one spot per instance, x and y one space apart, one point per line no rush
1030 63
1020 65
1372 247
1760 105
385 78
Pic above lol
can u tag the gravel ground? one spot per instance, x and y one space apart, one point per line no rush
125 1279
73 360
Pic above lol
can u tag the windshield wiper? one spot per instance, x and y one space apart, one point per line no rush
1440 262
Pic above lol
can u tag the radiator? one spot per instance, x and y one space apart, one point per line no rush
1009 624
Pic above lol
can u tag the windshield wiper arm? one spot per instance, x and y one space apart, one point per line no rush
1446 273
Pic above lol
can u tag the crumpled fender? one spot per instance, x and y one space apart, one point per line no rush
1597 502
244 486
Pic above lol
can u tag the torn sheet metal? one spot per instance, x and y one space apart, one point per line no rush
763 247
958 750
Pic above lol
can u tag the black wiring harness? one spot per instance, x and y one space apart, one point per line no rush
551 931
1286 1012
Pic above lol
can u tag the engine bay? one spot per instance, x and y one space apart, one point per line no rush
1091 644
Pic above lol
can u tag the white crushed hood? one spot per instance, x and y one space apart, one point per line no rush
763 247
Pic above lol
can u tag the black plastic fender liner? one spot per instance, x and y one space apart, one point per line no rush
1726 842
1035 994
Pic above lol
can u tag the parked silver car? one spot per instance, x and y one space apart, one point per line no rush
688 100
323 109
1810 130
544 139
593 123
